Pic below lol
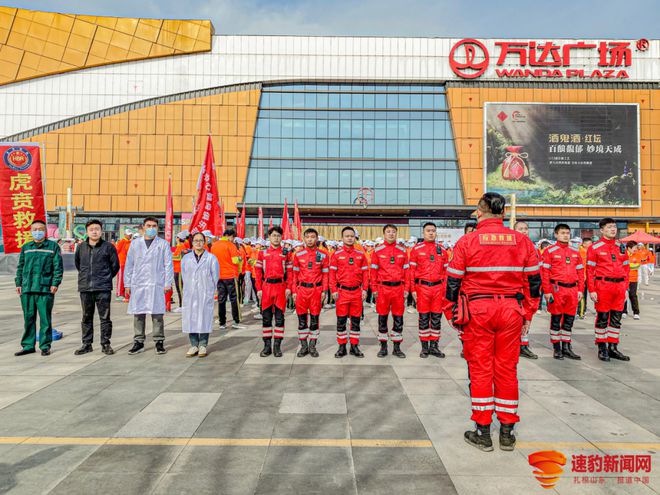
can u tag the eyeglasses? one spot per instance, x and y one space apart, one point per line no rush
199 240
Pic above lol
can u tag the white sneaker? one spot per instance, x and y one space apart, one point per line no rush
624 315
257 316
635 317
238 326
192 351
223 327
411 309
177 310
202 351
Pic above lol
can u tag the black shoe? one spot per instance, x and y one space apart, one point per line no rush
480 438
341 352
160 347
557 354
137 348
267 350
527 353
304 350
614 353
277 351
603 355
24 352
567 351
106 349
45 352
425 350
355 351
462 354
84 349
312 349
397 350
383 350
434 350
507 438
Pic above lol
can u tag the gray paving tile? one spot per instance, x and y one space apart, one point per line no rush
311 383
80 481
318 484
387 416
378 483
307 460
313 403
397 460
208 483
204 461
143 460
321 370
311 426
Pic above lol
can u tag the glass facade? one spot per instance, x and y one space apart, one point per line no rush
332 144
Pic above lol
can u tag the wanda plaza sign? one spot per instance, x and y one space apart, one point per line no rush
569 60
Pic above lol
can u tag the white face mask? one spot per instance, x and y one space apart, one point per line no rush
38 235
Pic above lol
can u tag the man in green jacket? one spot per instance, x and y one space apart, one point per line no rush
38 276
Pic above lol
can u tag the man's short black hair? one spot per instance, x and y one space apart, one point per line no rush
346 229
427 224
229 233
585 239
545 244
605 221
390 226
518 222
149 219
492 202
470 224
311 231
631 244
562 226
93 221
38 221
275 228
192 236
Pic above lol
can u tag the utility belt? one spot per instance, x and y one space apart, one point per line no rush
473 297
391 284
344 287
309 285
564 284
461 310
274 280
427 283
610 279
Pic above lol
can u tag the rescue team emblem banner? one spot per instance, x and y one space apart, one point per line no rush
21 193
563 154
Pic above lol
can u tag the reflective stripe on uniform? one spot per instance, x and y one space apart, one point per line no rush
511 402
495 268
482 400
579 267
375 267
546 265
455 271
531 268
591 263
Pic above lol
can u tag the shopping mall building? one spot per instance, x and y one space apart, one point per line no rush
361 130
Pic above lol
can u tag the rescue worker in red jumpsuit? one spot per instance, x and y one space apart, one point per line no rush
272 271
562 273
608 268
310 285
494 283
428 264
349 281
390 284
525 351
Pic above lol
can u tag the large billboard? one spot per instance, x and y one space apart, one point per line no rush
557 154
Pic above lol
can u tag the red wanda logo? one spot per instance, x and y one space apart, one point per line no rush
469 58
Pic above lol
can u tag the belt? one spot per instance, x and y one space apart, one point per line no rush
274 280
564 284
472 297
427 283
343 287
391 284
610 279
309 285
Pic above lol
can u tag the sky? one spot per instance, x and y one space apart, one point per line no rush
434 18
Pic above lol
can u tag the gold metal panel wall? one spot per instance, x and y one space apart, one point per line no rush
121 163
35 44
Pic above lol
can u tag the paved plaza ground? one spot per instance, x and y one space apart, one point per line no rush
234 423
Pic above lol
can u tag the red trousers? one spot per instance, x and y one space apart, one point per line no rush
349 304
308 299
430 301
563 310
609 310
390 299
273 302
120 282
491 346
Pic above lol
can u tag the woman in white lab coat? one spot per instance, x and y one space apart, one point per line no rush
200 271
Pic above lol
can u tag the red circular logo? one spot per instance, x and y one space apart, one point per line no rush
642 45
469 58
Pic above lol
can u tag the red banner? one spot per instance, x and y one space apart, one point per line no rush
297 221
285 222
207 215
169 214
270 223
21 193
240 228
260 228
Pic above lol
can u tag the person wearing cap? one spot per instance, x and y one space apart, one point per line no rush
182 248
210 238
250 258
123 245
230 261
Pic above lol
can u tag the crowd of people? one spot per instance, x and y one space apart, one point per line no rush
489 286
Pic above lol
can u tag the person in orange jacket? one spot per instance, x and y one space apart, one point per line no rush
229 260
180 250
636 261
122 251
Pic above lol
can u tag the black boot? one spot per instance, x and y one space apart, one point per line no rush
615 353
24 352
277 351
557 354
434 350
603 355
84 349
527 353
267 351
303 349
567 351
383 349
507 438
107 349
480 438
425 350
312 349
355 351
341 352
397 350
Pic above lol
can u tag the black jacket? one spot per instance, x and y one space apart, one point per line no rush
96 265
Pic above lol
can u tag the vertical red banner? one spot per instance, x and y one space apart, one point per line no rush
297 221
285 221
21 193
206 214
169 214
260 228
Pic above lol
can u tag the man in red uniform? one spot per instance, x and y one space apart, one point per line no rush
390 285
562 273
123 245
428 264
494 283
608 268
310 283
349 279
525 351
272 280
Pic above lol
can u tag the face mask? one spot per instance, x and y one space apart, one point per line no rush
151 231
38 235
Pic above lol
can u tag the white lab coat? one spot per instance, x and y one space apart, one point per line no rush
200 280
147 273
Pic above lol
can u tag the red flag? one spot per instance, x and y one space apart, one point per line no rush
297 221
270 223
260 227
240 228
236 223
169 214
285 222
206 215
223 222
